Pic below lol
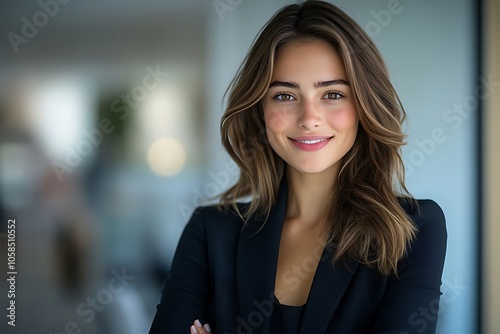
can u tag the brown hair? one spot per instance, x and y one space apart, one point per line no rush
368 222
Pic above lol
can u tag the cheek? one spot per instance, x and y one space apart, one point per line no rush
350 122
345 120
276 121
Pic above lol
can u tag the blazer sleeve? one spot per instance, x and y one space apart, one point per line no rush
411 300
185 295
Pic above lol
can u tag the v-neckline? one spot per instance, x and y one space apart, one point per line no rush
256 266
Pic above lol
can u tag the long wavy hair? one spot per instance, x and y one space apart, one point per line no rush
367 221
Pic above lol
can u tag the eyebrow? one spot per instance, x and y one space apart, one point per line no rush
320 84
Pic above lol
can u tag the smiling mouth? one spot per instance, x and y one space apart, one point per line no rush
311 142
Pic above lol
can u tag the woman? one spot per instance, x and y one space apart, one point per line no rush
331 241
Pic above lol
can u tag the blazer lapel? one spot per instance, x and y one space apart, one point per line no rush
257 258
328 287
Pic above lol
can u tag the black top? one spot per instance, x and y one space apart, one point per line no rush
225 275
286 318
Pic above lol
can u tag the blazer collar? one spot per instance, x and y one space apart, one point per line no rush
257 259
328 287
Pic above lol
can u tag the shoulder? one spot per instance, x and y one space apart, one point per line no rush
215 213
425 215
212 219
426 253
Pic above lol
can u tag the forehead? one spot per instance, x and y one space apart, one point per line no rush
308 59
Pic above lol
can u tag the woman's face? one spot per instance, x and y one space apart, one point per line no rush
309 110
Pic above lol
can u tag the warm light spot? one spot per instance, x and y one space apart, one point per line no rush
166 156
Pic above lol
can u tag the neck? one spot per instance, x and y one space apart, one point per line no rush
308 196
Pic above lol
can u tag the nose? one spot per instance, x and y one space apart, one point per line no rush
310 117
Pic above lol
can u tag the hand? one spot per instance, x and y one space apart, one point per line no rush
197 328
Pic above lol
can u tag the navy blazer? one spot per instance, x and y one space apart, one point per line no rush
225 275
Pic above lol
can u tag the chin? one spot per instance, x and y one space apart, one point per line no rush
310 168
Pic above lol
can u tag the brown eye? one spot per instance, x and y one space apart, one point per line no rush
284 97
333 96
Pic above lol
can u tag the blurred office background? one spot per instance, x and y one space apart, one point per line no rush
109 138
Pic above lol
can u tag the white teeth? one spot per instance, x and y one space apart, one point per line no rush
310 142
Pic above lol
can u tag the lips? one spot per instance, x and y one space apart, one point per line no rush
313 141
310 143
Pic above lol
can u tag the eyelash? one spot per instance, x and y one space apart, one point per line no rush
339 95
279 96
